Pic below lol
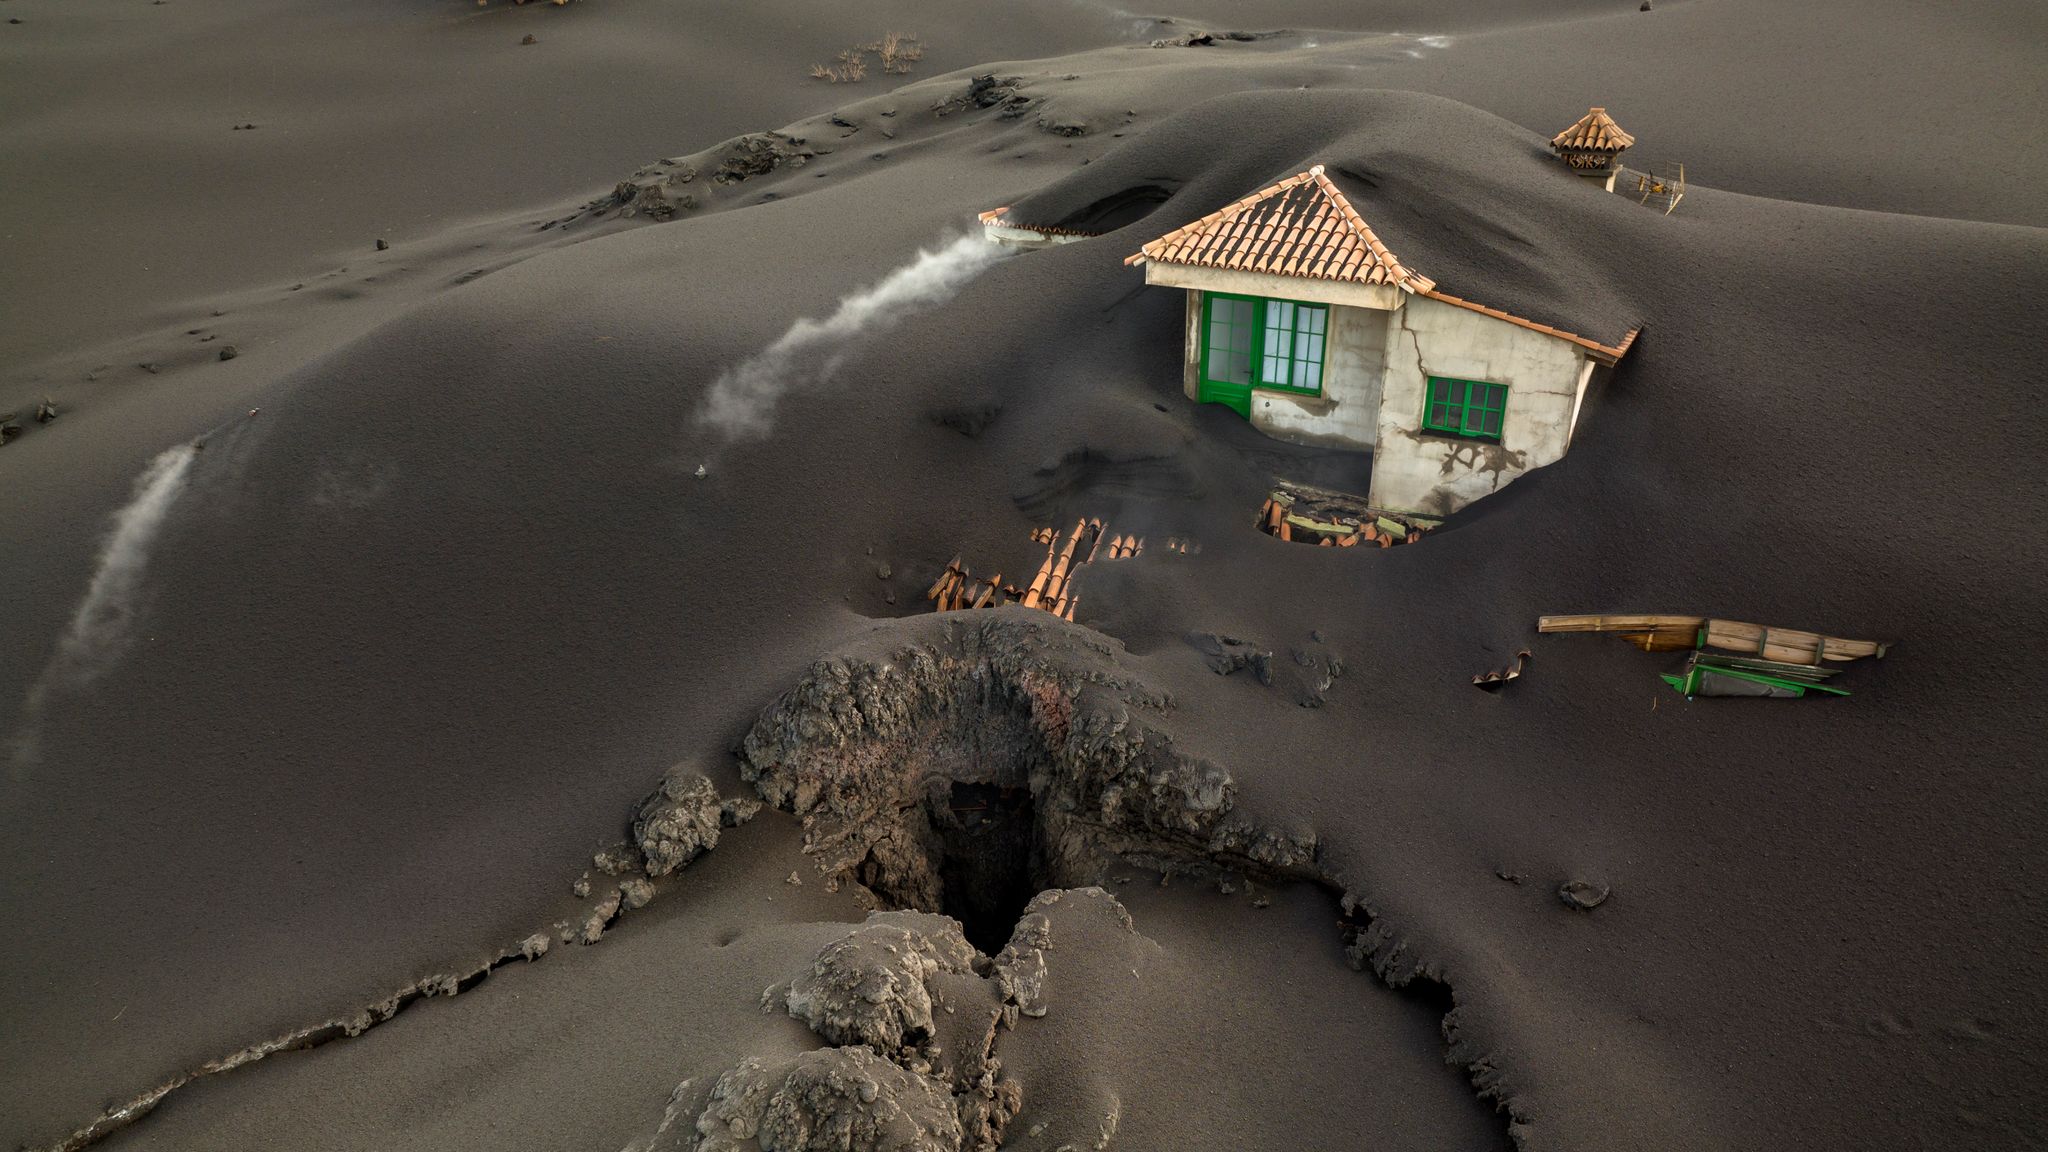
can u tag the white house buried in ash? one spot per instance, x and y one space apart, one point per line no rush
1301 320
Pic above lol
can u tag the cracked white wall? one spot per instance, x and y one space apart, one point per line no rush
1346 415
1418 471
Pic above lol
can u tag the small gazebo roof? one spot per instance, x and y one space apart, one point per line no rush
1596 131
1302 226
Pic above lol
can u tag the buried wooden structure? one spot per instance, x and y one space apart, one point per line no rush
1051 588
1303 514
1710 674
1775 663
1654 189
1654 633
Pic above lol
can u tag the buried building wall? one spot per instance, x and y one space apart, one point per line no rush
1434 474
1346 415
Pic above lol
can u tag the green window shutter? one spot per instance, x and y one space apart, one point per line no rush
1473 409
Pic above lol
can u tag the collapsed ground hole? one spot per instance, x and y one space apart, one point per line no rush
1003 755
992 864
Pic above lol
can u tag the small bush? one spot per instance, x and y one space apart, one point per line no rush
897 52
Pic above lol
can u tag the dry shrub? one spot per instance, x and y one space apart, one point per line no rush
897 51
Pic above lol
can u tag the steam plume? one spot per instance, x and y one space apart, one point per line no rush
741 402
100 630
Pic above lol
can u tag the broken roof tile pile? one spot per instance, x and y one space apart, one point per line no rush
1302 226
1593 142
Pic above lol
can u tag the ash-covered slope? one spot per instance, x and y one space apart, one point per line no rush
438 610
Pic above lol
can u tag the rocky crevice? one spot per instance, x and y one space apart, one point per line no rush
326 1031
870 749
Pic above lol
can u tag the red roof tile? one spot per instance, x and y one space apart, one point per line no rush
1596 131
1302 227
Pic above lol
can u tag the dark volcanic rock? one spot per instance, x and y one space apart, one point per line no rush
1583 895
1227 654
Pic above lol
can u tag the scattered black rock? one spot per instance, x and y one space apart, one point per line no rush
1645 7
383 245
1227 654
985 91
46 411
527 39
1064 127
969 420
757 154
229 352
149 367
1583 895
9 427
1206 39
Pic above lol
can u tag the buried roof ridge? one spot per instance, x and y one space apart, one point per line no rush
1283 229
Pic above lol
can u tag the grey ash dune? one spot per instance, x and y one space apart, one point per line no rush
416 642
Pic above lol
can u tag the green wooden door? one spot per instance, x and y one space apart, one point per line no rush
1228 330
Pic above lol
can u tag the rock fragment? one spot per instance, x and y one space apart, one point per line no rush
635 892
600 918
617 860
830 1100
679 821
1584 895
876 985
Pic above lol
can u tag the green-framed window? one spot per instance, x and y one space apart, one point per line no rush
1468 408
1227 338
1264 343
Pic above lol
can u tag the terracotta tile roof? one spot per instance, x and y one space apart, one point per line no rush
1596 131
996 216
1302 226
1603 353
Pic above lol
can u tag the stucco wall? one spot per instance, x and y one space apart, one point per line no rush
1191 355
1415 471
1346 415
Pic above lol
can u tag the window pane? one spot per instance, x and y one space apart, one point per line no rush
1308 374
1240 367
